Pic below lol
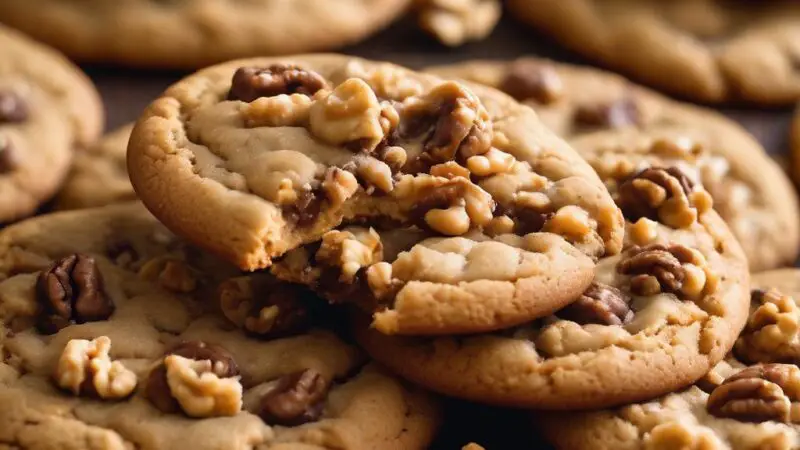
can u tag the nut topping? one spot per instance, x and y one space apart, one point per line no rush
71 291
772 330
85 368
531 80
250 83
209 368
454 22
600 303
617 114
13 108
669 269
666 195
297 398
768 392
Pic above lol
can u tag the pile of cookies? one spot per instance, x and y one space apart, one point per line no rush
311 251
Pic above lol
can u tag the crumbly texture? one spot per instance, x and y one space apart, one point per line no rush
194 367
99 174
416 284
175 34
370 142
637 333
47 107
708 50
620 127
705 416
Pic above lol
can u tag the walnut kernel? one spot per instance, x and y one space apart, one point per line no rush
85 367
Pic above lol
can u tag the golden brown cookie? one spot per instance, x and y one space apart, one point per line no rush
708 50
747 402
620 127
113 339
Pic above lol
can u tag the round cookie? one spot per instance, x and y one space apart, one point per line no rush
194 34
709 50
657 317
113 338
618 125
47 107
747 402
99 174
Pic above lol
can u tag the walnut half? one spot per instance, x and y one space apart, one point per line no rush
85 368
600 303
666 195
670 268
769 392
772 329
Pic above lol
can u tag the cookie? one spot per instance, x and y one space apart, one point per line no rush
254 158
748 402
711 51
153 33
620 127
114 339
656 318
99 174
47 107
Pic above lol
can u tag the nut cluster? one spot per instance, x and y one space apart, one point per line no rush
666 195
769 392
771 333
71 291
672 269
85 368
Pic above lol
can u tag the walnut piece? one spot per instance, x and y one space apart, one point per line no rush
278 111
349 251
199 390
616 114
220 364
527 79
296 399
672 269
250 83
666 195
85 368
459 200
71 291
769 392
172 274
454 22
601 304
265 307
772 330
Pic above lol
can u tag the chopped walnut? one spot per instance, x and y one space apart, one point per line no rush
643 231
454 22
769 392
350 113
527 79
339 185
666 195
677 435
296 399
387 80
85 368
601 304
459 194
250 83
670 269
201 371
375 174
772 333
278 111
349 251
172 274
265 307
617 114
70 291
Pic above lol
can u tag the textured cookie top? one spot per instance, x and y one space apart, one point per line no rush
749 401
709 50
657 317
196 33
47 106
113 336
99 174
255 157
621 128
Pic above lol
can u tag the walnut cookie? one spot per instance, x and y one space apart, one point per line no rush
620 127
99 174
178 34
749 401
114 338
47 107
710 50
253 158
657 317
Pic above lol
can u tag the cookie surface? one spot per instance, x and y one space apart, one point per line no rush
634 334
709 50
195 34
99 174
180 373
253 158
747 402
620 127
47 107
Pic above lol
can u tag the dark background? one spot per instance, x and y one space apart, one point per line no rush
126 92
